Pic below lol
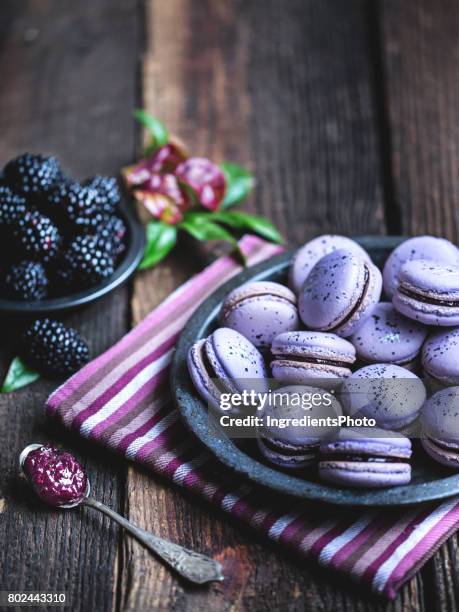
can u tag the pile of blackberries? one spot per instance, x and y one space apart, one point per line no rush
57 235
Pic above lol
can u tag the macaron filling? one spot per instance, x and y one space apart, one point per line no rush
330 456
311 360
288 448
427 299
354 310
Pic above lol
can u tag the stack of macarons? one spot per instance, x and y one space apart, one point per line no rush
367 336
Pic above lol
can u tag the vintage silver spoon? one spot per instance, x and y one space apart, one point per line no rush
193 566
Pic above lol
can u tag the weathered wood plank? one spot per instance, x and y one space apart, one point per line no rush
420 47
68 88
284 88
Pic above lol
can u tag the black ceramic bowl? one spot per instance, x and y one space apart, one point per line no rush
135 242
430 481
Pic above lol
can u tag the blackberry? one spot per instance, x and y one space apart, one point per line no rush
107 191
52 348
26 281
12 205
77 205
111 235
88 262
37 236
32 174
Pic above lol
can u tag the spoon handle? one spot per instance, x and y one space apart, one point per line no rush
193 566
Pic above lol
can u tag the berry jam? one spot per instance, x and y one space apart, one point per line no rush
56 476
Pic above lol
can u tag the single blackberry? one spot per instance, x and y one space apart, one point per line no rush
26 281
111 235
52 348
88 262
37 236
32 174
61 276
12 206
107 191
77 205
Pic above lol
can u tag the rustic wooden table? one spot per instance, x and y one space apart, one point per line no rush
347 113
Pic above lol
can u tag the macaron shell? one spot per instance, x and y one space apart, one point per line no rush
261 318
365 475
430 278
440 415
236 360
309 254
203 379
298 373
388 337
388 393
371 441
331 291
320 345
197 371
256 288
420 247
298 461
450 458
299 435
440 356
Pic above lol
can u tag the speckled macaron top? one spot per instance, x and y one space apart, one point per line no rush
388 393
309 254
260 311
440 356
233 356
339 293
225 362
420 247
388 337
440 416
292 402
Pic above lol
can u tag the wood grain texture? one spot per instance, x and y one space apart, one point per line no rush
285 89
68 88
420 46
420 53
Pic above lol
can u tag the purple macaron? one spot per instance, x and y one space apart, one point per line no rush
294 445
226 362
420 247
309 254
440 357
303 357
389 337
339 293
387 393
366 457
428 292
260 311
440 427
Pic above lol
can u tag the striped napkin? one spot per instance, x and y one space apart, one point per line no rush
121 400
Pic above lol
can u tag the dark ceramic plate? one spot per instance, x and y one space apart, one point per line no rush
135 242
430 481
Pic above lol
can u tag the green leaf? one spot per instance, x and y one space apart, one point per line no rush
18 375
158 131
202 228
245 221
161 239
239 183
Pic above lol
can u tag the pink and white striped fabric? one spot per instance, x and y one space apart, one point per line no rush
121 400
